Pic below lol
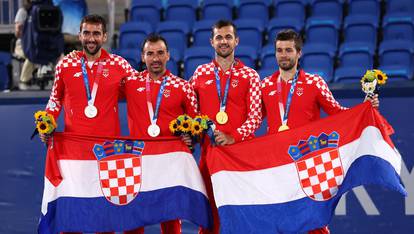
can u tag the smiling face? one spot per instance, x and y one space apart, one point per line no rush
92 38
287 55
155 56
224 41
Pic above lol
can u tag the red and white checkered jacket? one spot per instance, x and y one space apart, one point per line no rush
69 92
243 102
178 98
310 95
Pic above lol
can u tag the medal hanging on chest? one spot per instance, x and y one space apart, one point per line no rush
221 116
284 114
91 111
154 130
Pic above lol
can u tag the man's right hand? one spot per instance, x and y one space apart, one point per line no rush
44 137
73 54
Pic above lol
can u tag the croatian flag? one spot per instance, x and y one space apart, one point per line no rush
292 181
97 184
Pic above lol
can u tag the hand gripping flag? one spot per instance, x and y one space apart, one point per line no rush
99 184
292 181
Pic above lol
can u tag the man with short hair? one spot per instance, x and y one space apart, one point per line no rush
229 93
88 86
292 97
154 98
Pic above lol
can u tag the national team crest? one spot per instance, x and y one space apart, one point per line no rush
234 83
319 165
119 164
167 92
299 91
105 72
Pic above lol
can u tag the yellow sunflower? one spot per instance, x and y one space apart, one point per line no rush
368 77
173 126
381 77
39 114
185 126
44 128
196 128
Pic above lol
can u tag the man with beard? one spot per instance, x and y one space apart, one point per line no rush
154 98
88 86
292 97
229 93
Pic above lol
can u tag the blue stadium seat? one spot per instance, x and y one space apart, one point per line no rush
332 9
202 32
267 57
400 6
176 34
318 59
247 54
398 27
5 59
263 73
277 24
290 9
146 10
250 32
365 7
195 56
182 10
322 30
254 9
361 28
131 34
354 60
132 55
217 9
396 59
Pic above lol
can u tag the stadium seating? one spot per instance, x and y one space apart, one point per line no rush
364 7
361 28
277 24
248 55
131 34
322 30
398 27
182 10
202 32
146 10
250 32
217 9
400 6
396 59
267 57
195 56
132 55
176 34
254 9
291 9
318 59
332 9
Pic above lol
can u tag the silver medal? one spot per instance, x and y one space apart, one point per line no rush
91 111
154 130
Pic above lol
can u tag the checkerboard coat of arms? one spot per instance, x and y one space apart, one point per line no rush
319 165
119 164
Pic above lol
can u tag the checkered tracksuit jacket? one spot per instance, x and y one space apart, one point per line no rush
311 94
243 109
69 92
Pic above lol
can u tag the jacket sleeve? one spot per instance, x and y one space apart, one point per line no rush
54 105
326 99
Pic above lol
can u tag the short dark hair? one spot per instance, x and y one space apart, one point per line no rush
223 23
93 19
153 37
290 35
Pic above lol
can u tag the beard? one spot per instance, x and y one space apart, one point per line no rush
224 54
286 67
94 51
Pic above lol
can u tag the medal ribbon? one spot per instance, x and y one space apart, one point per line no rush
91 97
154 117
223 102
284 114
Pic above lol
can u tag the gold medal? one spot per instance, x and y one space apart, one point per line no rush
222 117
283 127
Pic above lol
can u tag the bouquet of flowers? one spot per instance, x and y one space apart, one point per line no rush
45 122
371 79
194 127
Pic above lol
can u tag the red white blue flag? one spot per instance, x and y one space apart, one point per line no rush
99 184
292 181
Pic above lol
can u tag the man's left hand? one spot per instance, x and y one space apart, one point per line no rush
223 138
373 99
